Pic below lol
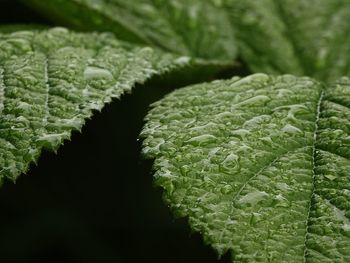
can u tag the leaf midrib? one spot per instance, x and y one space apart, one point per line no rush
314 152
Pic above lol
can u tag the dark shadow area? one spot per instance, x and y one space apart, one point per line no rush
94 201
14 12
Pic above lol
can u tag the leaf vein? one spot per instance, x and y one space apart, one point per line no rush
318 113
254 176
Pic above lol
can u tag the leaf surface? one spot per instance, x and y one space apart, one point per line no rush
294 36
194 28
52 80
260 165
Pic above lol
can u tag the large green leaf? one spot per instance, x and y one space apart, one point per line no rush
188 27
52 80
294 36
260 165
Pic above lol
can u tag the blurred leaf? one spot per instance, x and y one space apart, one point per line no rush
294 36
193 28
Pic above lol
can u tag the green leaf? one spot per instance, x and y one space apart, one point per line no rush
260 165
52 80
294 36
194 28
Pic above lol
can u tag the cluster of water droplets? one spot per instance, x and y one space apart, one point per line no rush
52 80
236 157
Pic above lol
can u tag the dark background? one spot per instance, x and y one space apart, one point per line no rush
94 201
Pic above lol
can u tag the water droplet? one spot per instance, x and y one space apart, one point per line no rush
253 197
202 139
256 120
52 140
226 189
224 114
258 77
95 72
256 100
281 201
183 60
282 186
291 129
241 133
231 158
330 176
